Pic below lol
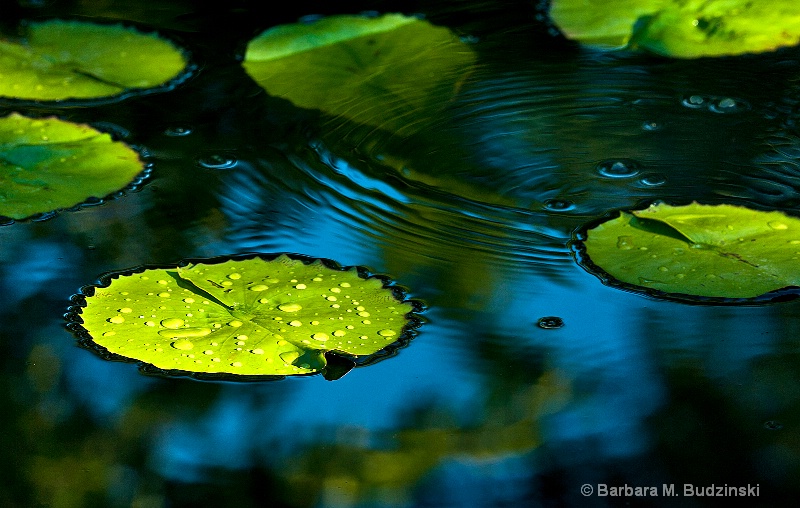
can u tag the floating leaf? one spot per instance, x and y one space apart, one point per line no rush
47 164
393 72
245 317
679 28
73 60
713 251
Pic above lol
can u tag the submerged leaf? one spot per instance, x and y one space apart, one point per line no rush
393 72
252 317
679 28
47 164
720 251
74 60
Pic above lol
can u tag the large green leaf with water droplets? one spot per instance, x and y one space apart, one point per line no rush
681 28
393 72
59 60
714 251
252 317
47 164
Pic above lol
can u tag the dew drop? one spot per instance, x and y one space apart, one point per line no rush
163 295
109 334
208 352
235 276
188 300
339 333
622 168
317 279
236 364
182 344
172 323
289 307
263 300
315 323
695 101
149 323
331 298
185 332
116 320
162 281
259 287
289 356
363 337
335 306
335 290
235 323
387 333
367 322
295 323
345 284
126 310
550 322
227 283
363 313
217 161
653 180
257 351
300 286
320 336
778 225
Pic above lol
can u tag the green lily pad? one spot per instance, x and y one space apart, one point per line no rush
250 317
60 60
721 251
393 72
48 164
680 28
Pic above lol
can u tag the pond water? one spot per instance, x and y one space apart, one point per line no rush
473 214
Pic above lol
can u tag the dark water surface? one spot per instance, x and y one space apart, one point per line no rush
473 214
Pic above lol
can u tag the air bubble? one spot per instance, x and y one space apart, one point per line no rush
217 161
728 105
177 131
550 322
622 168
695 101
289 307
653 179
559 205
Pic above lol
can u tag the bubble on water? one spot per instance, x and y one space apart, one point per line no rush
177 131
289 356
728 105
183 345
695 101
217 161
290 307
653 180
559 205
116 320
172 323
550 322
618 168
259 287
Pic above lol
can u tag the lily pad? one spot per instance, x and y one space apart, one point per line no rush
251 317
60 60
679 28
721 251
47 164
393 72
